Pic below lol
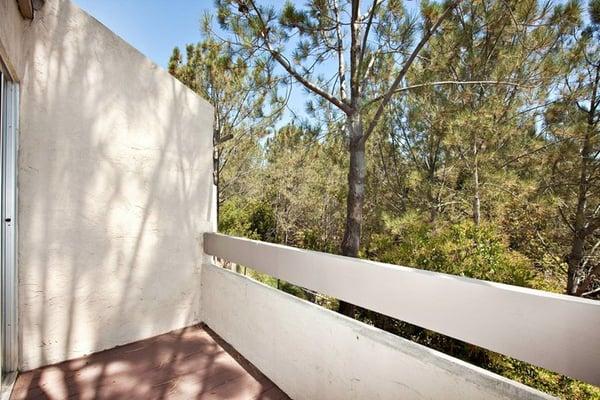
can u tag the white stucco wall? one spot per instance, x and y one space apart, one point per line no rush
11 32
314 353
115 187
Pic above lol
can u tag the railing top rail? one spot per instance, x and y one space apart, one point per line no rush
550 330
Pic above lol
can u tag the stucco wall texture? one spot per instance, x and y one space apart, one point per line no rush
115 187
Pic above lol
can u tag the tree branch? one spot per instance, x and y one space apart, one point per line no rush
355 52
440 83
591 292
290 70
386 98
592 226
365 39
565 219
340 52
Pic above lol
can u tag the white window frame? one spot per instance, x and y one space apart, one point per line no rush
9 127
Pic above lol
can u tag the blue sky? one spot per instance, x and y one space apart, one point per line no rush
152 26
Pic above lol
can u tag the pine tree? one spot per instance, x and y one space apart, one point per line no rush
574 121
350 41
246 105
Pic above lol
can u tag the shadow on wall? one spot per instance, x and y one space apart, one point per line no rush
115 192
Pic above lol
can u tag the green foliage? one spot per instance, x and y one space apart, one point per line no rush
475 169
463 249
245 100
594 9
251 219
546 381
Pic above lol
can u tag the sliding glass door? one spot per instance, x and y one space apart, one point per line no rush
9 101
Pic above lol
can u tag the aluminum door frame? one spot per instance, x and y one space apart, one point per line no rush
8 214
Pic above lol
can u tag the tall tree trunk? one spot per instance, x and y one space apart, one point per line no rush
216 179
574 260
356 196
477 195
217 163
576 255
432 199
433 209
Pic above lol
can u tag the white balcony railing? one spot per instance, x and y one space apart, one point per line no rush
553 331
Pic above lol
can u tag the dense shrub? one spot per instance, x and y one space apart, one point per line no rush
463 249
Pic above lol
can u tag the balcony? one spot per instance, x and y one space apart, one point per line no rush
308 352
111 278
184 364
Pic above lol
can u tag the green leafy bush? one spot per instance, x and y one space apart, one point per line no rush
463 249
251 219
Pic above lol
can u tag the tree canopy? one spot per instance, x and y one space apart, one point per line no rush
459 136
